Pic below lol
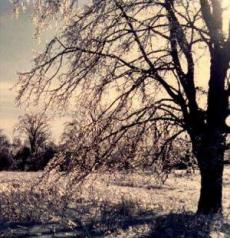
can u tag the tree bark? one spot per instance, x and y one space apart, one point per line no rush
210 155
211 191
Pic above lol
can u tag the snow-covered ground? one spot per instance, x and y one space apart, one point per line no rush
109 205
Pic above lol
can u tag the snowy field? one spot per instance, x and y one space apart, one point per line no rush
117 205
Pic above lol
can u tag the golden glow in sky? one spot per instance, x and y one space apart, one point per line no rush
226 6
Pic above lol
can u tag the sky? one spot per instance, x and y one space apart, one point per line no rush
17 44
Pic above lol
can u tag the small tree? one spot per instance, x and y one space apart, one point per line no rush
35 128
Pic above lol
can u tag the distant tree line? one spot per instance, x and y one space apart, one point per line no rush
32 148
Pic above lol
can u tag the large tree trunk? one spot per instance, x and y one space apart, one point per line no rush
210 155
211 190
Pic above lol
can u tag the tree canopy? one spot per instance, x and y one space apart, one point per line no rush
139 50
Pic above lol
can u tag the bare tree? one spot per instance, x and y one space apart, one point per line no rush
35 128
145 53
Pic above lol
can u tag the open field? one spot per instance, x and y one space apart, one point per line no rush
117 205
